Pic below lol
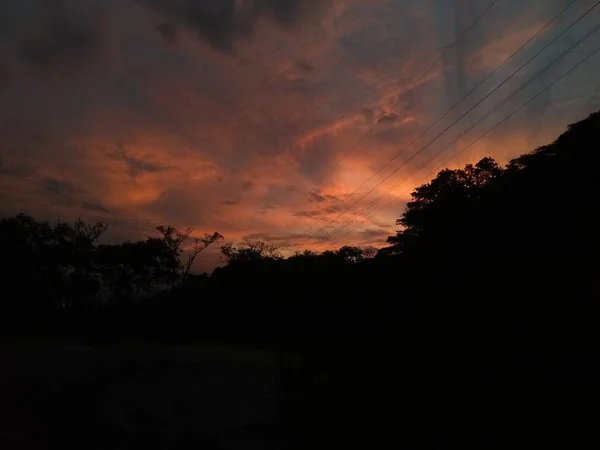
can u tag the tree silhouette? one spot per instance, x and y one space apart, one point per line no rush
250 251
439 209
350 254
174 241
487 297
63 266
48 265
133 268
200 244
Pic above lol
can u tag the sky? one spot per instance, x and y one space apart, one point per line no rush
272 120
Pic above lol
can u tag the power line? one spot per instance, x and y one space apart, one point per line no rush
412 87
471 109
437 169
447 146
523 86
364 136
401 152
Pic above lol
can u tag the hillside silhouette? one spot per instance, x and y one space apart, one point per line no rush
476 326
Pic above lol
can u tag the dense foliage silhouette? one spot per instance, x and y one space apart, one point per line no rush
473 328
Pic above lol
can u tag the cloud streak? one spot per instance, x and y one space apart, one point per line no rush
65 38
220 23
237 124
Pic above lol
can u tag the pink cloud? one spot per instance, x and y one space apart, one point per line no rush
258 142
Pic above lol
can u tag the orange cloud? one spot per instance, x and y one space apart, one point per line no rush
267 139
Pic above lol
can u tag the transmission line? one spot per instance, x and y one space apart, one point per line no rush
523 86
408 91
437 169
401 152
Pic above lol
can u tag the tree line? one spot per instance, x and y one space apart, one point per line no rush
482 215
476 325
62 266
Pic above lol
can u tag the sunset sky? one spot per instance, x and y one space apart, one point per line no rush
259 118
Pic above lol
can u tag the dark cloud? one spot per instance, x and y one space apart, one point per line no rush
323 205
373 233
216 22
370 237
178 203
300 85
65 36
304 66
463 15
381 224
332 209
317 160
286 12
221 22
389 135
277 192
595 97
368 114
309 214
168 32
18 169
536 113
9 18
230 202
136 166
248 185
391 117
4 77
316 198
94 207
281 241
454 19
60 187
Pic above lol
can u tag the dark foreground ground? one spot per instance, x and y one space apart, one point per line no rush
476 376
135 396
506 392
